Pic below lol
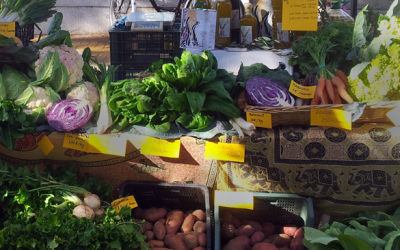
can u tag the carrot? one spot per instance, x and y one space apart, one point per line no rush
342 77
316 100
324 97
337 100
329 89
321 86
341 87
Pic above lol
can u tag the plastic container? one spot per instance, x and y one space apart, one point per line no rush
171 196
25 33
279 209
337 14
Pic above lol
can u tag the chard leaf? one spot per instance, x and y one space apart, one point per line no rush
316 236
15 82
144 103
316 246
25 96
217 88
382 228
60 79
54 96
393 243
163 127
224 106
351 243
195 122
48 66
178 101
368 237
196 101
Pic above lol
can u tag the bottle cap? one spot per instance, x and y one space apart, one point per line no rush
336 5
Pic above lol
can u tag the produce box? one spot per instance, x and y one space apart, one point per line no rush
25 33
171 196
279 209
136 51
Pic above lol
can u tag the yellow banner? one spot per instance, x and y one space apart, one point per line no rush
300 15
331 118
158 147
7 29
305 92
262 120
224 152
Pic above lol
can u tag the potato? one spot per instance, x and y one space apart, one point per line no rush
289 230
191 240
200 227
156 243
159 230
227 231
225 217
257 237
264 246
282 240
149 235
188 223
175 242
257 226
199 248
147 226
160 248
236 222
202 238
267 228
138 213
162 221
267 241
245 230
181 235
299 233
200 215
272 237
174 221
297 244
241 242
154 214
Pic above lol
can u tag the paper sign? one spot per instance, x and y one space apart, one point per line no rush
262 120
45 145
394 116
305 92
126 201
224 152
300 15
331 118
76 142
136 140
234 199
154 146
7 29
105 144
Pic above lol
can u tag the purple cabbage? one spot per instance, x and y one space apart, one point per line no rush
262 91
69 114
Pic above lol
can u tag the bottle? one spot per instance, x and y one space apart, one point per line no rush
281 35
235 21
337 14
224 14
248 24
206 4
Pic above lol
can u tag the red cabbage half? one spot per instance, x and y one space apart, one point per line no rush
262 91
69 114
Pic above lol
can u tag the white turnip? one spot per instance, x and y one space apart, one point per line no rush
83 211
92 200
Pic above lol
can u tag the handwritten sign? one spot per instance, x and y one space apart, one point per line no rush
76 142
300 15
224 152
234 199
305 92
331 118
129 201
105 144
7 29
154 146
45 145
262 120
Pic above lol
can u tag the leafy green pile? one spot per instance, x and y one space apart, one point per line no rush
190 91
360 231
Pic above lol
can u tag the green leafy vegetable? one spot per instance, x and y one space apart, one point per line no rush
15 81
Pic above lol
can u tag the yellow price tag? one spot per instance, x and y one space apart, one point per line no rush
262 120
125 201
7 29
331 118
300 15
45 145
305 92
106 144
154 146
76 142
224 152
234 199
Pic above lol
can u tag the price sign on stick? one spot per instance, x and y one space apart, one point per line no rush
7 29
300 15
106 144
261 120
76 142
126 201
166 148
305 92
224 152
331 118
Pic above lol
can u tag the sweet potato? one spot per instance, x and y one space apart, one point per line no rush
236 222
154 214
264 246
226 217
147 226
288 229
188 223
202 238
245 230
227 231
199 248
257 226
175 242
191 240
272 237
181 235
267 241
200 215
200 227
283 248
241 242
267 228
257 237
174 221
282 240
299 233
156 243
162 221
297 244
159 230
138 213
149 235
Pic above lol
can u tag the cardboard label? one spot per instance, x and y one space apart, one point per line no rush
76 142
7 29
305 92
105 144
224 152
129 201
300 15
154 146
262 120
45 145
234 199
331 118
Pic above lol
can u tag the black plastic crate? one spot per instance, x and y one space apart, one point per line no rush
171 196
136 51
25 33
